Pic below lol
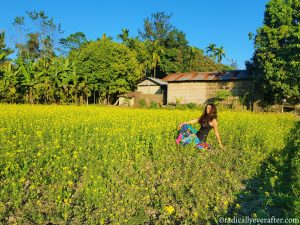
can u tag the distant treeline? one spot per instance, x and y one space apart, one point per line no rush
51 69
48 68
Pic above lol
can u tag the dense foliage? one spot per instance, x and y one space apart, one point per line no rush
276 60
107 67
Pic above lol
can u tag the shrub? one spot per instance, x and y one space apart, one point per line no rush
191 105
142 103
153 105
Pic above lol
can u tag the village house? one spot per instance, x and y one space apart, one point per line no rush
200 87
193 87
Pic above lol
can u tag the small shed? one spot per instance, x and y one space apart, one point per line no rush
134 98
126 99
153 86
199 87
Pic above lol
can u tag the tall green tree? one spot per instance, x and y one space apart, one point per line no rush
32 46
5 63
72 42
36 34
169 48
4 51
8 79
276 60
141 48
113 66
157 28
155 51
176 53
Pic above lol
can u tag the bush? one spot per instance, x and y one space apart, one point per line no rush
142 103
221 95
191 105
153 105
181 106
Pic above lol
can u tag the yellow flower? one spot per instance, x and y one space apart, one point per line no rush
70 183
225 203
169 209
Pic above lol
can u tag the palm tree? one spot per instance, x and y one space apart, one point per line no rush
211 50
220 53
155 61
156 50
215 52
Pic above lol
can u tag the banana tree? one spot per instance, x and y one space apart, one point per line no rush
45 85
26 72
61 77
66 79
8 83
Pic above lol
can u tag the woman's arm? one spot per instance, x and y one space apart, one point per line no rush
215 126
191 121
188 122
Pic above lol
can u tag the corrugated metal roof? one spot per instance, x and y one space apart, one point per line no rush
207 76
158 81
130 94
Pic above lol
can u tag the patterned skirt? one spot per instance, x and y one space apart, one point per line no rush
188 135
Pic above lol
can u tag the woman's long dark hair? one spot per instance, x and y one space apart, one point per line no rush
206 118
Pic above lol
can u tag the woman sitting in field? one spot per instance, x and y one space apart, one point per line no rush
208 120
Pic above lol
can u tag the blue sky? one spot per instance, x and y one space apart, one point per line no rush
225 23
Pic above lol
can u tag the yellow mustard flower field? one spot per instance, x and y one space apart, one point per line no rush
113 165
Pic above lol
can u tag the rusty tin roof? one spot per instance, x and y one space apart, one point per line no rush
207 76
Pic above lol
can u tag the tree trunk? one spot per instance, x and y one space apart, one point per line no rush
30 96
94 98
75 97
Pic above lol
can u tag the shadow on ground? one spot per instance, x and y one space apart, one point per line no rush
274 191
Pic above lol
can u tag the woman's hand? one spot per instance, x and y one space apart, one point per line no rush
180 125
